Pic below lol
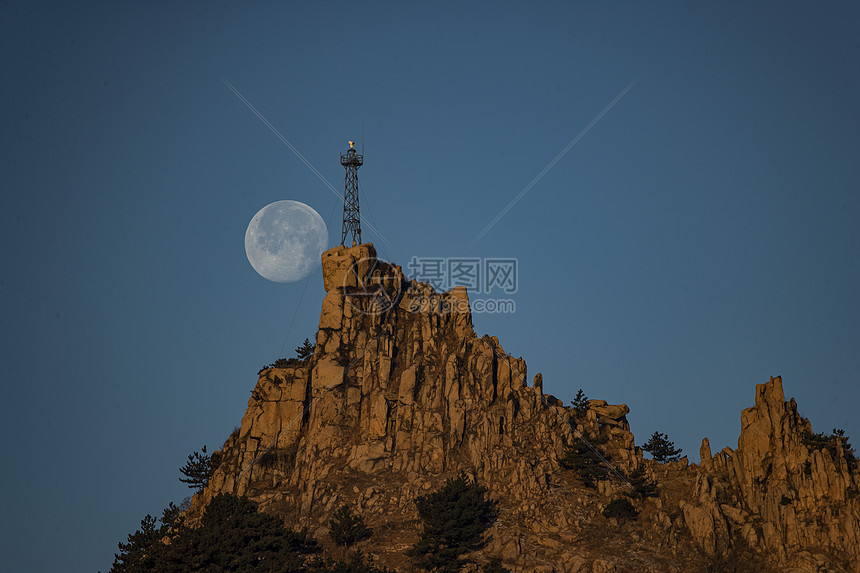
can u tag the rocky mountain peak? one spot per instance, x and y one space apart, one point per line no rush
401 393
791 490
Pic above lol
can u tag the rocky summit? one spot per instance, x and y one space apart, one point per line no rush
401 394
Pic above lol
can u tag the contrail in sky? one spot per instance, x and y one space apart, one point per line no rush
551 164
298 154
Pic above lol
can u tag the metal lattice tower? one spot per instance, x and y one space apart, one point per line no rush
351 218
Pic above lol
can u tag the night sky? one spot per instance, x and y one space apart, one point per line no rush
701 236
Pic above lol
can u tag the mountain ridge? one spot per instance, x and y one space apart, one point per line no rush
401 393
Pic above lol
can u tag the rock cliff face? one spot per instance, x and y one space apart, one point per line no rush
400 394
781 490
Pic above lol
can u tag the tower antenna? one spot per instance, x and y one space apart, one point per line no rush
351 161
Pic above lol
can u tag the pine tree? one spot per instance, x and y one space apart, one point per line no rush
198 469
455 519
234 536
580 404
306 350
357 563
171 516
347 528
142 550
581 457
836 444
641 487
661 449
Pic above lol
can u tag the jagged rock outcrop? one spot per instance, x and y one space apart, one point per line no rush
778 491
401 393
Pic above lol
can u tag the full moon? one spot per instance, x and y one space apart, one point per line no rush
284 241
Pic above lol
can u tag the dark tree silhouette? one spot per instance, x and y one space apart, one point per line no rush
620 508
347 528
836 444
234 536
141 552
494 565
455 519
641 487
198 469
661 449
357 563
580 404
580 456
305 350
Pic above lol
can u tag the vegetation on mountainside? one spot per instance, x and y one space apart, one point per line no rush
455 519
283 458
303 353
580 403
199 468
585 458
139 554
836 444
738 558
347 528
233 536
305 350
357 563
621 509
494 565
641 486
661 448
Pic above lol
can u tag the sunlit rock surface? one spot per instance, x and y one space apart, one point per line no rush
401 393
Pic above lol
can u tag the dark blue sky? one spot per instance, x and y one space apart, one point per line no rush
703 235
